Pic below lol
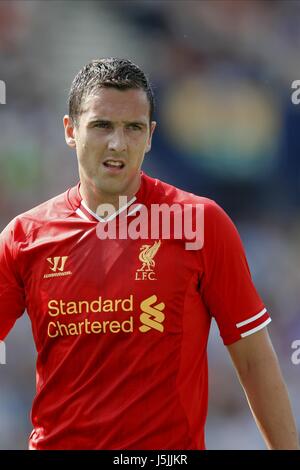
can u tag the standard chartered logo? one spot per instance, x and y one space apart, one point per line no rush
152 316
104 316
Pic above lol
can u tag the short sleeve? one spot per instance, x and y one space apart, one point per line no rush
12 297
227 287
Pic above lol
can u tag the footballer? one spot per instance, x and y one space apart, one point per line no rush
121 324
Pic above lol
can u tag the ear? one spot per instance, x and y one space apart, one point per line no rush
152 128
69 132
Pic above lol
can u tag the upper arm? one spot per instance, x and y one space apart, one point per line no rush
12 297
227 287
252 351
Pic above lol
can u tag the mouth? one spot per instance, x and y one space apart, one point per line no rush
112 164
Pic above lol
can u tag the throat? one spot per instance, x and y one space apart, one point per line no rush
99 201
107 212
105 207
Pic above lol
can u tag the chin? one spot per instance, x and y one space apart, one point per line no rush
111 189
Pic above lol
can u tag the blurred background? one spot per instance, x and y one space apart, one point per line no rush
222 73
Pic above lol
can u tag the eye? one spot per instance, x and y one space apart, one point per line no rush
135 127
103 124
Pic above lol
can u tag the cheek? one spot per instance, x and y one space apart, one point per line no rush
85 156
86 149
140 146
82 151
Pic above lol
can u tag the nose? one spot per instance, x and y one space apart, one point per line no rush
117 141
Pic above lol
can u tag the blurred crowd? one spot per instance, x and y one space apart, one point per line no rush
227 129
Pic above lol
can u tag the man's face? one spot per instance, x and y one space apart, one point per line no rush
111 138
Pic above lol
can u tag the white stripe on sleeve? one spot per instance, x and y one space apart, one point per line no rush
255 317
257 328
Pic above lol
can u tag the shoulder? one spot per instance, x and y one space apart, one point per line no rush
215 224
163 192
24 224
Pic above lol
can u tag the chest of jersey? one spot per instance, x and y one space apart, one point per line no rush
83 286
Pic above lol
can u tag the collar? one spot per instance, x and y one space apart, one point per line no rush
82 210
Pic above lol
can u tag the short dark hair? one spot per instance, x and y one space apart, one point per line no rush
107 73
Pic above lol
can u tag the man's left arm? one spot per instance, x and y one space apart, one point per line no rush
259 372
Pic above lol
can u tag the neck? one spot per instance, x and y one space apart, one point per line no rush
94 197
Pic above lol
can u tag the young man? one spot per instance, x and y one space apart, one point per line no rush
121 323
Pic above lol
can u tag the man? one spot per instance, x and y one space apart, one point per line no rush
121 323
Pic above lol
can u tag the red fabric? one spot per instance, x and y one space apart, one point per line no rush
106 380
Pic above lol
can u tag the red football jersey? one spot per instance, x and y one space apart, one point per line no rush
121 325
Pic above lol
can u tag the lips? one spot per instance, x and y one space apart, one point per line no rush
111 163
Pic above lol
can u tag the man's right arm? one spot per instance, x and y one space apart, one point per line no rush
12 296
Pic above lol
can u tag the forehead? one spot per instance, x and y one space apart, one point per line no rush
116 105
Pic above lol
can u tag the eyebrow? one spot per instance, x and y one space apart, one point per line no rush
95 120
